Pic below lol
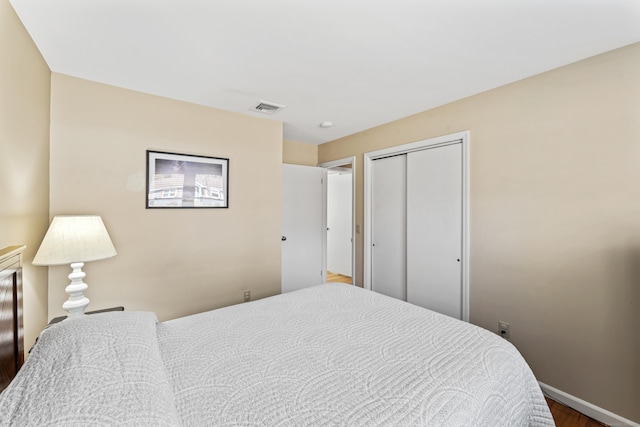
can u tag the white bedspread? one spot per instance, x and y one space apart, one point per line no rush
338 355
100 370
332 355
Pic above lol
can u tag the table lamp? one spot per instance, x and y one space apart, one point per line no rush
75 239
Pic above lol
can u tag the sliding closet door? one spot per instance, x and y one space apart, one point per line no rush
434 224
388 226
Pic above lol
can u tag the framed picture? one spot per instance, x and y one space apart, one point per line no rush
186 181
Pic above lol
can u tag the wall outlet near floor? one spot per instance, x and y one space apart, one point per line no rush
247 296
503 330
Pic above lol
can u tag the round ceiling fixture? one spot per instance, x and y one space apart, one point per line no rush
326 125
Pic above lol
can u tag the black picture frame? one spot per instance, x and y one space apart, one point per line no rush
186 181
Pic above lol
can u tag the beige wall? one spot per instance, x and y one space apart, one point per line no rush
555 204
24 159
555 218
299 153
170 261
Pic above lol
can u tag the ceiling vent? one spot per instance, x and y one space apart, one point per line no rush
267 107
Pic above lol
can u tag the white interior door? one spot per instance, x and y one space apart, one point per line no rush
339 219
303 225
434 224
389 227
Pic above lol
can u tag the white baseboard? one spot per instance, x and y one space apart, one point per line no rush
590 410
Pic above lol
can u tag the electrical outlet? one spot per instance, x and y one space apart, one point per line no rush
247 296
503 330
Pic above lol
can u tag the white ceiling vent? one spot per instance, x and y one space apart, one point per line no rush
267 107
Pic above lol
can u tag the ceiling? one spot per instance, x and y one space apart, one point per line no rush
356 63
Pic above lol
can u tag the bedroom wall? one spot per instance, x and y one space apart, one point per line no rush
171 261
555 218
299 153
24 160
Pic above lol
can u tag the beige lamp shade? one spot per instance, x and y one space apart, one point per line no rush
76 238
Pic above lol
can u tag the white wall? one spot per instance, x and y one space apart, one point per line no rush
339 217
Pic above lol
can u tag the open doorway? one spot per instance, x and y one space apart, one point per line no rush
340 220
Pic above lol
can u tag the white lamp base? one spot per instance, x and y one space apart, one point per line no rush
77 302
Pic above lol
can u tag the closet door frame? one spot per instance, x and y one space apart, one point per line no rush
458 137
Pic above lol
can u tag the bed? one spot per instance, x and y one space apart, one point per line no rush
330 355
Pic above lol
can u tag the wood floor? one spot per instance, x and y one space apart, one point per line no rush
334 277
567 417
562 415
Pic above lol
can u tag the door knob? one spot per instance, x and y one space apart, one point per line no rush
284 238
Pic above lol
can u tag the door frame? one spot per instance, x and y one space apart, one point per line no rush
463 138
332 164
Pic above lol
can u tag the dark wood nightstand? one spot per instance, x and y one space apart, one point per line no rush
104 310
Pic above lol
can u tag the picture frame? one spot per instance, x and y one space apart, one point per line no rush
177 181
